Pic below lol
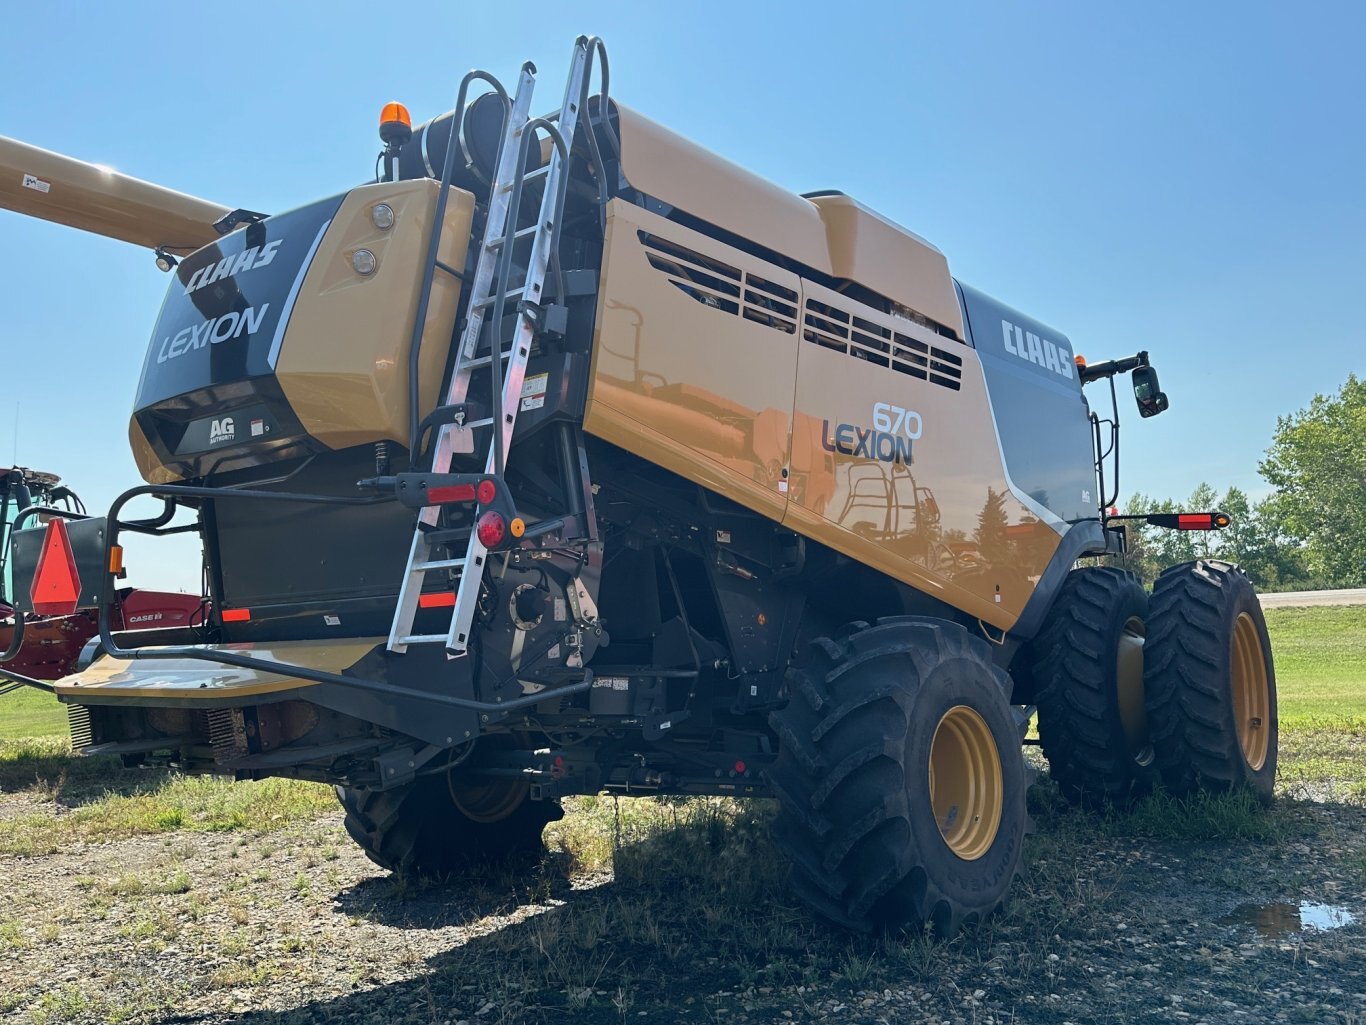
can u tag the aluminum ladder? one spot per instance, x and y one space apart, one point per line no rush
489 296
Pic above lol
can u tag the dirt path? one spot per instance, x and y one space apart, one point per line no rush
296 926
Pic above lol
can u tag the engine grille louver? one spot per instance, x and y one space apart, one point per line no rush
723 287
838 329
82 730
737 292
227 734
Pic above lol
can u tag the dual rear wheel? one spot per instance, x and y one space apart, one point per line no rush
1178 687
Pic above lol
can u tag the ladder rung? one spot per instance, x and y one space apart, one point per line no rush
483 361
511 293
439 536
423 639
532 175
423 567
495 243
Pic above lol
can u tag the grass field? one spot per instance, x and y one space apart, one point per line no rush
113 865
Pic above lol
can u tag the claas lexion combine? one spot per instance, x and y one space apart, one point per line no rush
568 458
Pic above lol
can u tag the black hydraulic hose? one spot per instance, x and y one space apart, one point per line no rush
433 244
595 46
17 641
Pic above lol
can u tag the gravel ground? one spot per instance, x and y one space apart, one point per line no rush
295 925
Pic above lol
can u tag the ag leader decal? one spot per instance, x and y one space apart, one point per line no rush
890 439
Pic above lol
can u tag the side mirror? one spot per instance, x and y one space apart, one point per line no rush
1150 397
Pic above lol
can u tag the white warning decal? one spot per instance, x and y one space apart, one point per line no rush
533 391
36 183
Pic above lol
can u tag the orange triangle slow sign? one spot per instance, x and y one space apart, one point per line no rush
56 586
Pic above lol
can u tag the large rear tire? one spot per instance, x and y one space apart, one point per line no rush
433 827
900 780
1087 663
1210 682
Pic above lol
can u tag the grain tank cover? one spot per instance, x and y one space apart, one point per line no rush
891 260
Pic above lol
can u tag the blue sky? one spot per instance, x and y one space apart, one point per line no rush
1182 178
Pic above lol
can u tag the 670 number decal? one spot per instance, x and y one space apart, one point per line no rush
894 420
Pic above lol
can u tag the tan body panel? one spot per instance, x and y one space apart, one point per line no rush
344 362
698 369
690 177
832 234
701 391
39 183
947 523
182 679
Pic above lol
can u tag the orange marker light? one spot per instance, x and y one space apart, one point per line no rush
395 127
116 559
395 113
517 527
1080 361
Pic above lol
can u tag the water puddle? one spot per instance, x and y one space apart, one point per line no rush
1281 919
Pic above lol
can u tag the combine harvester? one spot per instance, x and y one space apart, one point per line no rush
569 458
35 648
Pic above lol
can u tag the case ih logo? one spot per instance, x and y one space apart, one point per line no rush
222 430
889 440
1033 349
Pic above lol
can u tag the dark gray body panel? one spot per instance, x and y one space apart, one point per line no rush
1042 418
228 304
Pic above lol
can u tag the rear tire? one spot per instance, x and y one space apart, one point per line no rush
432 828
900 780
1087 663
1210 681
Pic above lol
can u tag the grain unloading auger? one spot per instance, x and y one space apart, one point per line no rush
569 458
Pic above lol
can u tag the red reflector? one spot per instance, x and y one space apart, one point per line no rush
740 767
437 600
488 491
491 529
56 587
1195 521
451 493
236 615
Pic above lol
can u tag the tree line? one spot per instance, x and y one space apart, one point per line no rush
1308 533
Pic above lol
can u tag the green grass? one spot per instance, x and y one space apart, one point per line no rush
108 802
1320 656
31 713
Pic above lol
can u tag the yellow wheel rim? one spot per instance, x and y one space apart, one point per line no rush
1251 692
966 782
1133 713
489 802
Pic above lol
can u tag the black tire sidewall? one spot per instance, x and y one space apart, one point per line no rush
1133 605
976 885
